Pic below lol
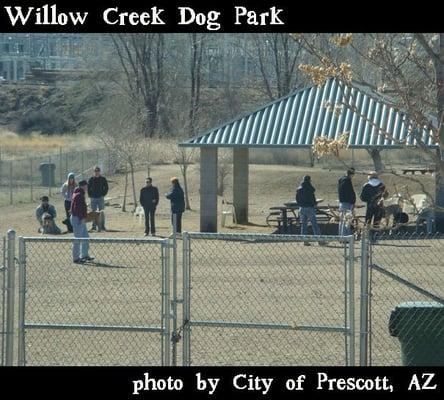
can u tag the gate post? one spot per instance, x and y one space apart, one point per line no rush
10 297
364 301
351 299
174 301
21 312
186 360
166 304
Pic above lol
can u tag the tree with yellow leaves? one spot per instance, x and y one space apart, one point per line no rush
408 67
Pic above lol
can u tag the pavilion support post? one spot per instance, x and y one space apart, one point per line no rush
240 184
208 189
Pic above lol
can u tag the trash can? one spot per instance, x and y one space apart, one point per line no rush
419 326
47 170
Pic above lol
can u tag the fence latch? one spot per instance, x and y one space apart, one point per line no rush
177 335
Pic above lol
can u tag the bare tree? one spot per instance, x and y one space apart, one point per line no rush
277 55
375 154
142 58
224 169
120 135
197 46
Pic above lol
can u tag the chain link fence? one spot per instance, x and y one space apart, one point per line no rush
267 300
28 179
246 299
406 299
2 299
113 310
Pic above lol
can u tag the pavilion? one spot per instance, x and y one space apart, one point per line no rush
294 121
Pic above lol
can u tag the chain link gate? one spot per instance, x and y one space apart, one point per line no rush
268 300
105 312
400 270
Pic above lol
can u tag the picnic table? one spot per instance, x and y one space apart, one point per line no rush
422 170
285 223
280 215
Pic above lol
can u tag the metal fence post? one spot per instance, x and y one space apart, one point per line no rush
10 183
82 165
21 312
174 300
31 179
109 162
3 300
10 299
351 298
186 349
1 169
166 301
49 180
61 163
364 314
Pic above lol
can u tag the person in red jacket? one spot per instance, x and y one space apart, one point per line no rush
78 220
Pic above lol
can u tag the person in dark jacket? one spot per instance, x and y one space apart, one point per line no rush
305 197
149 199
347 200
97 190
373 193
177 198
78 213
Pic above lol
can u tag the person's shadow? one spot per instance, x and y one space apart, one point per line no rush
104 265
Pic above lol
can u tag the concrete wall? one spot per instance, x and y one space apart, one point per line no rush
208 189
240 183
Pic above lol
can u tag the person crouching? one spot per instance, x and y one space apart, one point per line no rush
46 215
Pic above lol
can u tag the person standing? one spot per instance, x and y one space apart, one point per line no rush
306 200
97 190
149 198
177 198
347 200
373 193
78 221
67 191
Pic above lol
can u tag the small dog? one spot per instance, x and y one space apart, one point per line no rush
98 217
48 225
391 214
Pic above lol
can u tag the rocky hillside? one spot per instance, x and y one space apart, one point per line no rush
49 110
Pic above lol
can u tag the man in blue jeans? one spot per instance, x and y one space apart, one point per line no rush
78 220
305 197
347 200
97 190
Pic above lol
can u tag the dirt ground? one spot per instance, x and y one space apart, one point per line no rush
270 185
238 281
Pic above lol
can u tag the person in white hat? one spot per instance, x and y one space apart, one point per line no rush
373 192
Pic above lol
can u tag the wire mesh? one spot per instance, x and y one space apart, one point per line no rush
105 312
267 300
28 179
407 300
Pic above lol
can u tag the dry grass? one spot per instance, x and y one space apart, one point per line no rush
14 146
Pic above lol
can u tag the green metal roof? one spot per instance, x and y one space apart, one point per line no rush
297 119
